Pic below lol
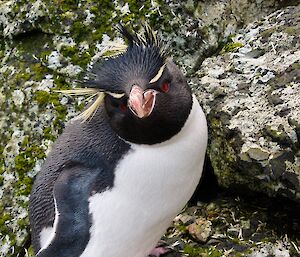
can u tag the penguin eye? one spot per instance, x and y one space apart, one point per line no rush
165 86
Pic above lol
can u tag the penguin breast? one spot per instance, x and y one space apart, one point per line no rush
152 184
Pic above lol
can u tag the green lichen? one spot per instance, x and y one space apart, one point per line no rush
79 107
29 252
182 228
48 134
278 135
24 186
68 51
196 251
22 223
5 217
24 162
81 59
267 33
60 83
294 30
42 98
79 31
219 147
38 70
23 77
231 47
67 5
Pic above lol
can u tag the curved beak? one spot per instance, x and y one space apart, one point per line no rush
140 102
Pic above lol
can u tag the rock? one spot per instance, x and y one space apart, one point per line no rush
253 124
185 219
16 18
280 249
212 23
200 229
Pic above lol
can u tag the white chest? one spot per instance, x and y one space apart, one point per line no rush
152 184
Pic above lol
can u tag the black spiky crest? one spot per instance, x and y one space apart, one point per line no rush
140 59
143 58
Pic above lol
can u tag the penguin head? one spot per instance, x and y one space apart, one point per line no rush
154 99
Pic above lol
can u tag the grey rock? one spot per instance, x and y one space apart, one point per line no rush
254 122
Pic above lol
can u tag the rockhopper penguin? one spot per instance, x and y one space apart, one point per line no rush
119 174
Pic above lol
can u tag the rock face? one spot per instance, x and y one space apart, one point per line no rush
47 46
214 21
251 98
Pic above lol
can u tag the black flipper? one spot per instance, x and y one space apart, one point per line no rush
71 192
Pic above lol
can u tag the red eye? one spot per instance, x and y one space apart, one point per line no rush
123 107
165 87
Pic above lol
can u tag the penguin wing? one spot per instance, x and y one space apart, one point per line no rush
71 193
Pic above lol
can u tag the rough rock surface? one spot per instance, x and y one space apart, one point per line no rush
47 45
251 97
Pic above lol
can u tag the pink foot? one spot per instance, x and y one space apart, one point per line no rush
158 251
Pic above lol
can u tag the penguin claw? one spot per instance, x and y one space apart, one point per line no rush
159 251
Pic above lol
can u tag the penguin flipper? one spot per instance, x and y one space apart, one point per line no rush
72 220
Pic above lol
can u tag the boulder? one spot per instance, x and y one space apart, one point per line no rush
251 95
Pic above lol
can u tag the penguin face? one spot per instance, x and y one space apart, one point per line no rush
156 99
151 112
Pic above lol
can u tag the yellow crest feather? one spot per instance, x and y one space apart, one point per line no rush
91 92
159 74
113 49
90 112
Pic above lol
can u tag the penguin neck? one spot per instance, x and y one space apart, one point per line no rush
185 131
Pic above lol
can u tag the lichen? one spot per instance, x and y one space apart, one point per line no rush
231 47
200 251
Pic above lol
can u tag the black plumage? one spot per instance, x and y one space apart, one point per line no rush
140 62
76 147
